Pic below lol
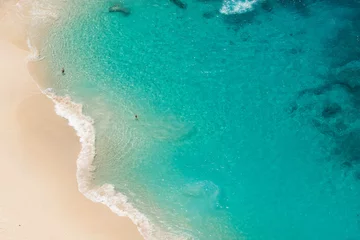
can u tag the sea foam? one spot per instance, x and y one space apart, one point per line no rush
83 125
34 52
237 6
105 194
41 13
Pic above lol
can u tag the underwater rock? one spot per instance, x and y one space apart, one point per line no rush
267 6
179 3
301 6
324 128
120 9
295 50
357 176
331 110
348 73
209 15
349 147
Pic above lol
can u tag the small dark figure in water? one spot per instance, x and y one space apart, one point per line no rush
209 15
179 3
63 71
120 9
136 117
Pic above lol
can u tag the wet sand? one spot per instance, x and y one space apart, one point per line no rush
39 197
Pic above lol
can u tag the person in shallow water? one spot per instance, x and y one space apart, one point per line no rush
136 117
63 71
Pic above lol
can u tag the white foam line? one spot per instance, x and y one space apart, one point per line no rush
237 6
84 128
34 52
105 194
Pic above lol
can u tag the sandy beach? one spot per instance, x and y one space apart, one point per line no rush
39 197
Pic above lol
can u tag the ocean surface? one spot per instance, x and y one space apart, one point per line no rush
248 112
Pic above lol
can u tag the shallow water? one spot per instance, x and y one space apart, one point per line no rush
248 123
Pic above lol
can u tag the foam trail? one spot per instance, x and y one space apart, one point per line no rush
85 130
106 193
40 11
83 125
237 6
34 52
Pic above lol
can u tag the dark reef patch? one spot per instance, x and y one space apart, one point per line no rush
296 50
209 15
302 7
239 20
343 46
267 6
357 176
179 3
348 3
333 109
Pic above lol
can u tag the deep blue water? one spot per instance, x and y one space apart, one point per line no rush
248 123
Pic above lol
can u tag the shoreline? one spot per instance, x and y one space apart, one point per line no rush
104 194
83 125
42 200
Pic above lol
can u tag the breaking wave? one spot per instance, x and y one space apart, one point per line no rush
105 194
237 6
39 16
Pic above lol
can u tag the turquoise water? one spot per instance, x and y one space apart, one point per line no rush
248 123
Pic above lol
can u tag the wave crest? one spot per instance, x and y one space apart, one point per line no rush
43 15
237 6
105 194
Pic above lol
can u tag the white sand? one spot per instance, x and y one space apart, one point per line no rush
39 198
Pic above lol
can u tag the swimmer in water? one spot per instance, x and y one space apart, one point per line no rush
63 71
136 117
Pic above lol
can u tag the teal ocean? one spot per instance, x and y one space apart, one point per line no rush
248 113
